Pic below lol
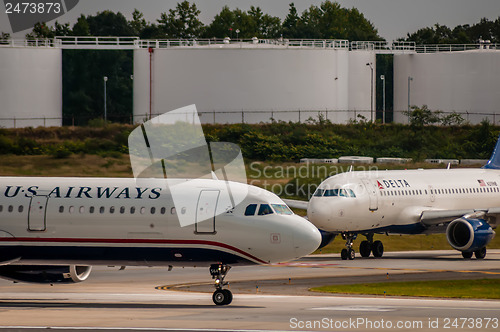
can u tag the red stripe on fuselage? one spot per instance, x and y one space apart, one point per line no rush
150 241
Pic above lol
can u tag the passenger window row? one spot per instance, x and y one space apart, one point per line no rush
101 210
446 191
403 192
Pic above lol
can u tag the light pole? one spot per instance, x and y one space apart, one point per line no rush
409 80
369 64
132 79
105 104
382 77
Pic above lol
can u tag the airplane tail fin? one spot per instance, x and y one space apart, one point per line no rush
494 162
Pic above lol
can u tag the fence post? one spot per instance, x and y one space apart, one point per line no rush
214 115
242 116
299 115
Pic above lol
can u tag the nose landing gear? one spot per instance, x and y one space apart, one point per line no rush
221 296
348 253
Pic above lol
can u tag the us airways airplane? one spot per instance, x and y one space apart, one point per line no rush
55 229
463 203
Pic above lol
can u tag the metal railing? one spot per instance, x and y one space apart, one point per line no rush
29 43
455 47
244 43
383 47
395 46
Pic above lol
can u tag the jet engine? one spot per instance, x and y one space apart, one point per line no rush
326 238
45 273
468 234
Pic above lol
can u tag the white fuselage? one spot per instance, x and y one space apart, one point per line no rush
393 201
116 221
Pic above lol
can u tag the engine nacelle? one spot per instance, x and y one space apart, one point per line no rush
469 235
326 238
44 274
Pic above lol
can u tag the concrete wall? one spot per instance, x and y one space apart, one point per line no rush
259 82
30 86
360 84
458 81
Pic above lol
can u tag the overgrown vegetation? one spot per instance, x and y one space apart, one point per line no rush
278 141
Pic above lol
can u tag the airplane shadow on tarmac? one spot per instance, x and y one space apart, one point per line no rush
54 304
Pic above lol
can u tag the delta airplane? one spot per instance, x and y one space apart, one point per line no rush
463 203
54 229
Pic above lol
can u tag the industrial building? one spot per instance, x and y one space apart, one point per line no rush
456 80
257 80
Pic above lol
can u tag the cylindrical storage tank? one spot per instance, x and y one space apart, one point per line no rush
232 84
30 87
465 82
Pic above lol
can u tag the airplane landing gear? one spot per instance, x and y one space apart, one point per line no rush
348 253
369 246
221 296
480 253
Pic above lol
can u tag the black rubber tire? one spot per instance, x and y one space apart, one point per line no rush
365 249
467 254
219 297
229 296
351 254
343 254
378 249
481 253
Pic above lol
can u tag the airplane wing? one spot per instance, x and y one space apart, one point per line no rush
435 217
293 203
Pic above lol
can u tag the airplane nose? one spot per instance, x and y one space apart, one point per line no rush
306 239
318 213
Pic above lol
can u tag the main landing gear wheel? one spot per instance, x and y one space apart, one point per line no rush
365 248
378 248
467 254
481 253
220 296
348 253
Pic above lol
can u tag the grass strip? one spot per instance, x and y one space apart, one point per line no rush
474 289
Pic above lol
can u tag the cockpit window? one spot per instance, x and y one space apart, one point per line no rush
338 192
319 192
265 209
331 192
281 209
250 210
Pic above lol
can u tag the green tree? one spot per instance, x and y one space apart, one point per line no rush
4 37
81 27
461 34
331 21
182 22
290 29
138 23
253 23
41 31
107 23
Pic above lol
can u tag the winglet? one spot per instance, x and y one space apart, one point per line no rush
494 162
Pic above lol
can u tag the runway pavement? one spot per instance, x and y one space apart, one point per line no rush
136 297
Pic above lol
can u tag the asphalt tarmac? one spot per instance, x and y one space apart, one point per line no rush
265 298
